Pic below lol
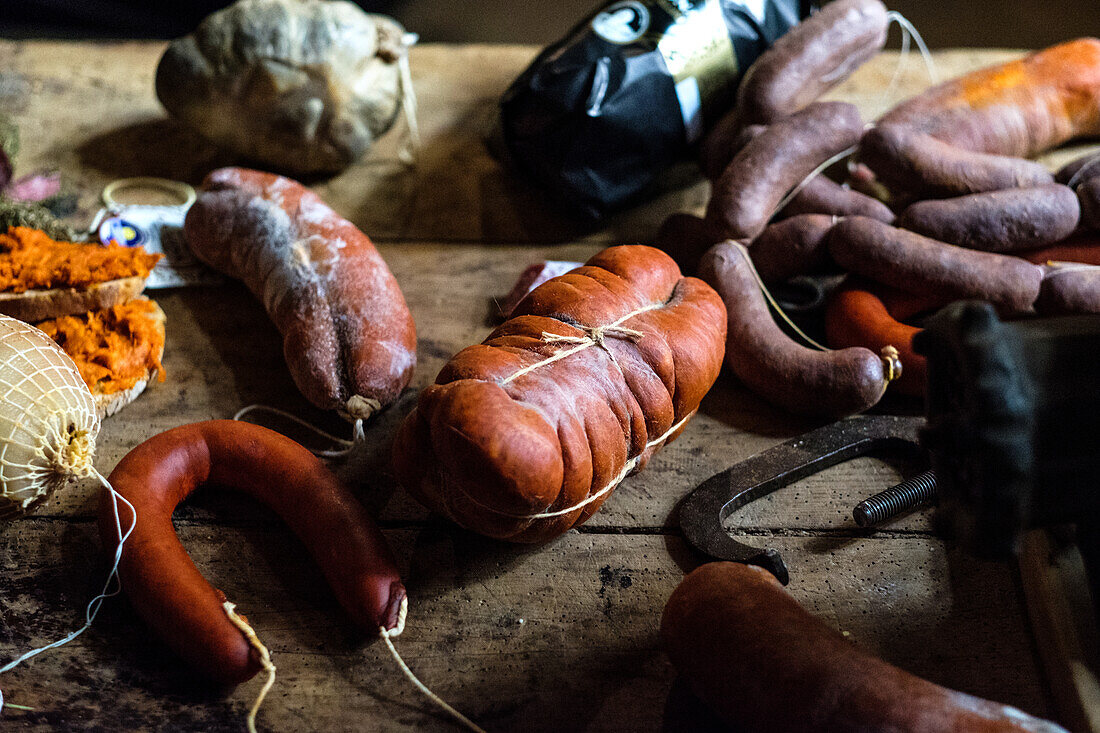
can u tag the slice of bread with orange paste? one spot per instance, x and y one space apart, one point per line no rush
117 350
42 279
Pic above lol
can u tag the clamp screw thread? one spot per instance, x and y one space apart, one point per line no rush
896 500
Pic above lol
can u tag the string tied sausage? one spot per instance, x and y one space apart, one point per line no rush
594 336
169 592
627 469
522 438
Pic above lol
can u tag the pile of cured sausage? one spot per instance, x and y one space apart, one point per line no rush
938 201
524 435
521 437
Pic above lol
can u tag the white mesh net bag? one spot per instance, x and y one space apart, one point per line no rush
48 423
48 428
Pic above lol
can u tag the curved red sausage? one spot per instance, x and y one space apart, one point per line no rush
164 585
745 196
812 58
765 664
805 381
920 265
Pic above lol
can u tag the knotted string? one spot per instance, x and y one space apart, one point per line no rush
387 636
357 437
593 336
92 609
265 661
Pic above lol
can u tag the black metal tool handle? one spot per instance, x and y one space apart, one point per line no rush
705 510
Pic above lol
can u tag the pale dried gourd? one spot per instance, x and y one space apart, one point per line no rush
48 422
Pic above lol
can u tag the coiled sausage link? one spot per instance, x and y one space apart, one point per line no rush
164 585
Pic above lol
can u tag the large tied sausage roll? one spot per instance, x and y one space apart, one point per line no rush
525 435
348 336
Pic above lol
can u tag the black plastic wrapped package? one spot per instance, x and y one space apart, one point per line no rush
599 115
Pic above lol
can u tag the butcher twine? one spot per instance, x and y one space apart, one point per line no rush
387 635
595 336
358 436
265 661
92 609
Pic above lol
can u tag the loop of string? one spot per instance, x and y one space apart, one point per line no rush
387 636
94 605
358 434
744 251
265 661
908 29
903 58
594 336
411 147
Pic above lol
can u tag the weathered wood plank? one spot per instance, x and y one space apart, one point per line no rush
562 638
104 122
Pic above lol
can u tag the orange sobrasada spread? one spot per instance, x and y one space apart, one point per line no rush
114 348
30 260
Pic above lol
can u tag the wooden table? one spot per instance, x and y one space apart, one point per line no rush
559 637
